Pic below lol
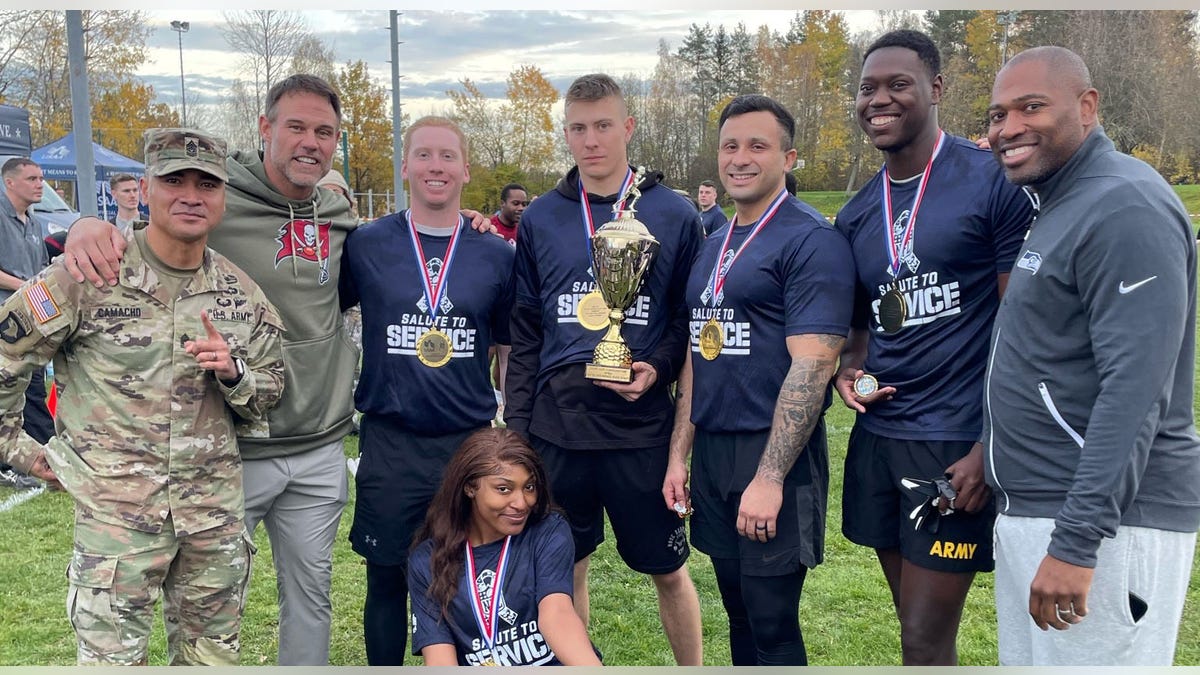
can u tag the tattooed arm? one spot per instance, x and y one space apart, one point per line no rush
814 358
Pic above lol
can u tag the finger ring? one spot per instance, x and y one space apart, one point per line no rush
760 527
1064 612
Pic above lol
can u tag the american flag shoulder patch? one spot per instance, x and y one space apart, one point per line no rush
40 303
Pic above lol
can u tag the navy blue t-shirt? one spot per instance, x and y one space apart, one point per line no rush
795 278
553 258
381 272
541 563
712 219
969 228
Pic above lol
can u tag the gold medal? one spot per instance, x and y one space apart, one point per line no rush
712 338
893 310
489 662
592 311
434 349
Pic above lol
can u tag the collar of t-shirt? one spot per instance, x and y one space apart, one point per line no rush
443 232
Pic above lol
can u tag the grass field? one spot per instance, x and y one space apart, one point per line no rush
828 203
846 610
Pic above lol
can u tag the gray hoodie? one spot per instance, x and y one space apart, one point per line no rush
293 250
1088 399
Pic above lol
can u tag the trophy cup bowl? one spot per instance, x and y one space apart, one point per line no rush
622 251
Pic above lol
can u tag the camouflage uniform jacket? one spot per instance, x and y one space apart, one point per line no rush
143 432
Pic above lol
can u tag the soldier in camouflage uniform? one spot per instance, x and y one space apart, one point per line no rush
157 376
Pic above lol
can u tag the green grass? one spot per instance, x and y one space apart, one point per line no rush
846 609
1190 194
828 203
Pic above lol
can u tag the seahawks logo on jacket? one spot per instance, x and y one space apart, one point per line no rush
1031 261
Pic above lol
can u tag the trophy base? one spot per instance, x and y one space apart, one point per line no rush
596 371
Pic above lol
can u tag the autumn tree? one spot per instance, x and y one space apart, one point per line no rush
366 121
240 111
513 141
120 116
948 29
969 73
314 57
664 137
531 135
480 119
33 58
15 28
808 70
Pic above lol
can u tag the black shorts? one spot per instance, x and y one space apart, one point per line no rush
875 508
398 474
722 466
627 483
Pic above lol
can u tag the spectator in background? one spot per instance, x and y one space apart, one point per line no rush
336 182
711 215
22 255
124 189
513 201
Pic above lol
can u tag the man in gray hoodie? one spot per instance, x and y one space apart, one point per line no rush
1090 444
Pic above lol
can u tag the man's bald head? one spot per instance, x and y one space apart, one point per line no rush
1043 108
1067 66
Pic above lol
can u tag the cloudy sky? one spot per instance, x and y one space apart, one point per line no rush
440 48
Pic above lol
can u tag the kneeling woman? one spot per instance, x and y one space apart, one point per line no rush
491 576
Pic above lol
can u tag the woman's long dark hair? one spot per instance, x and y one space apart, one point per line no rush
449 515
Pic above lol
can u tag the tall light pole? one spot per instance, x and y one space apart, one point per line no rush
397 130
181 27
1006 19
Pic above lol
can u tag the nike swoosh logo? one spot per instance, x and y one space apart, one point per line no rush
1123 288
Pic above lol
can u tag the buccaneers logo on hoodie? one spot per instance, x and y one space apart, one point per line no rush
305 240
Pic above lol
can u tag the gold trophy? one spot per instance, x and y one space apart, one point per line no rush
621 253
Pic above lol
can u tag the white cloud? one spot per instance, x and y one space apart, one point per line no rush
440 48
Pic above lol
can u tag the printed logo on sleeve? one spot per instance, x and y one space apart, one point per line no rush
13 328
1031 260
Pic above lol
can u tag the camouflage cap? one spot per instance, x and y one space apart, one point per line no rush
171 150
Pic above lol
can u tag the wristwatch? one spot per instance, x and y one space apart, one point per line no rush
240 365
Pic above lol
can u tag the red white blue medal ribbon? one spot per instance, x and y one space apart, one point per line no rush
433 292
895 249
717 280
487 620
589 225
